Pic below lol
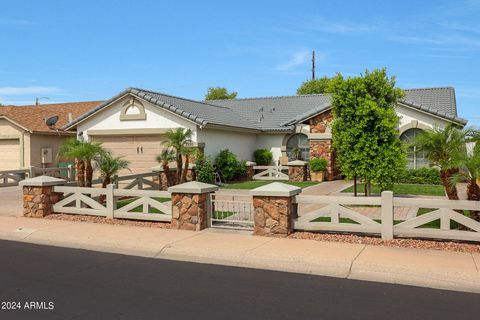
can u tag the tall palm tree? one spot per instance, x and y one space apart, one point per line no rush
164 158
187 152
109 167
84 152
443 148
70 149
178 140
470 171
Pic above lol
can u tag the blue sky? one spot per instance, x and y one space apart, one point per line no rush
89 50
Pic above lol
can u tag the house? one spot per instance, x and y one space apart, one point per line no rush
133 123
26 139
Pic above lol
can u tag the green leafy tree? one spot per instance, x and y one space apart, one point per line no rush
178 140
219 93
443 148
365 135
205 169
316 86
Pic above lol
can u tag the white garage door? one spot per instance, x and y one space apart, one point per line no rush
141 151
9 154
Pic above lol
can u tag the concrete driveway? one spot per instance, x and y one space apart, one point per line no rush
11 204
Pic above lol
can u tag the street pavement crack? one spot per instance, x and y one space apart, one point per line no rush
353 261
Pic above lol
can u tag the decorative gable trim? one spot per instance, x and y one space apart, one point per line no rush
133 110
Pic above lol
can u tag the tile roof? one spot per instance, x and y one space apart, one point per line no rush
275 113
33 117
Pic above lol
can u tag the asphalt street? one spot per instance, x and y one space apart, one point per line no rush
42 282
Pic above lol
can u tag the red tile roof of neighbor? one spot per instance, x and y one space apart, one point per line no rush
33 117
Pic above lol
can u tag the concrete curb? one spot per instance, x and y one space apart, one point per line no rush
427 268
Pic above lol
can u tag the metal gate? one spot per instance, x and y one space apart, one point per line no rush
231 211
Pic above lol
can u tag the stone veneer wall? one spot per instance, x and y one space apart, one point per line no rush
38 201
273 216
189 211
323 147
297 173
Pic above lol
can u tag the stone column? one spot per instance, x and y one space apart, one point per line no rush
297 170
274 209
39 197
250 170
191 207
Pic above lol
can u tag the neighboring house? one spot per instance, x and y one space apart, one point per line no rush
133 123
25 138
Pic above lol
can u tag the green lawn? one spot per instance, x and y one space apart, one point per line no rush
256 184
413 189
124 202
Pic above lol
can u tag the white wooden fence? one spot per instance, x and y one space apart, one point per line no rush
12 177
270 173
342 217
86 201
138 181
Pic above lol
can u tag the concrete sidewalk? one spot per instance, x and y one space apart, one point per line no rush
430 268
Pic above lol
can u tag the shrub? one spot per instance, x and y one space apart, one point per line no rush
318 164
205 170
263 157
420 176
229 167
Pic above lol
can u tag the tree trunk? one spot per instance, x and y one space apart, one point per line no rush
166 173
473 193
105 183
365 187
81 173
179 168
451 190
88 174
185 170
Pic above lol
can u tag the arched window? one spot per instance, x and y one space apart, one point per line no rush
415 159
298 147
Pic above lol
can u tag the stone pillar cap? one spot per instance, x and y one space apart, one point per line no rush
296 163
194 187
276 189
250 163
42 181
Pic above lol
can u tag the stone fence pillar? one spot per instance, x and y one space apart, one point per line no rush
39 197
274 209
191 205
297 170
250 170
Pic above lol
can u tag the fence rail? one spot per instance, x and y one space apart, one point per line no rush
131 181
12 177
270 173
140 204
339 214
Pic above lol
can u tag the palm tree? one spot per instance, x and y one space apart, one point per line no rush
470 171
186 152
84 152
109 167
70 149
178 140
164 158
443 149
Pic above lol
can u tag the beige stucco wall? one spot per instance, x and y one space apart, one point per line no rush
39 141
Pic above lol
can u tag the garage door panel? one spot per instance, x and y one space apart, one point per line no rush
10 154
141 151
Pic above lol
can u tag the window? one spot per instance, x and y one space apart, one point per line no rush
415 159
298 147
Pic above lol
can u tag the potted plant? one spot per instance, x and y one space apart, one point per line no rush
317 169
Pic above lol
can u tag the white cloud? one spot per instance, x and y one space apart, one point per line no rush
321 24
300 58
19 91
15 22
